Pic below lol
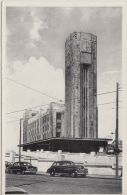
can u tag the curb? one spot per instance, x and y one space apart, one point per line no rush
42 173
104 177
90 176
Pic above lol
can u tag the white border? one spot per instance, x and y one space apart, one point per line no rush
72 3
64 3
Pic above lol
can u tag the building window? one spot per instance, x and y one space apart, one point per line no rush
58 115
58 126
58 134
44 119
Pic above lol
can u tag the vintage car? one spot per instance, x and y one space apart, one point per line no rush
7 164
67 167
22 168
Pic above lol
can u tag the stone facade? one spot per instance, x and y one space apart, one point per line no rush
56 119
40 126
81 86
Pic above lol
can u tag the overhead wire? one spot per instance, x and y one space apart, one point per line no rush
15 111
36 90
47 105
98 105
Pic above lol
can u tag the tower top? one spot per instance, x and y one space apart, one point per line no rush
82 36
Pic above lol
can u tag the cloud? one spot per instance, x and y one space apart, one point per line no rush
39 75
37 30
37 26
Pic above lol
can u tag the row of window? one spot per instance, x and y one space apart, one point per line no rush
33 131
37 134
34 124
45 128
40 130
44 119
34 138
38 137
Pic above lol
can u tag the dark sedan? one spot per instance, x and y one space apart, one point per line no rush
67 167
7 164
22 168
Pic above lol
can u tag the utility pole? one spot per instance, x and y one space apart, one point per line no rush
117 128
20 140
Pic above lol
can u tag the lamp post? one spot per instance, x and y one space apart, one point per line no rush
116 147
20 139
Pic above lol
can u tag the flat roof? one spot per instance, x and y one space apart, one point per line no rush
67 144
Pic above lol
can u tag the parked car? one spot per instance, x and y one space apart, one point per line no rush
22 168
7 164
67 167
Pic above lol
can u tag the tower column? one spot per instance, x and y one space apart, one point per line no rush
81 85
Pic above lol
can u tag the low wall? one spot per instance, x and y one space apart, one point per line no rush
92 170
102 171
44 165
97 164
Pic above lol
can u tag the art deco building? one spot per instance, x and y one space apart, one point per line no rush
38 125
81 86
72 127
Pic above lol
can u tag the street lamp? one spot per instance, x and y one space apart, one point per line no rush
20 139
116 147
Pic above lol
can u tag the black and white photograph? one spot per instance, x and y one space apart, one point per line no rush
62 98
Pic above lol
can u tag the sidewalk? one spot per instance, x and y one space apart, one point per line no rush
92 176
104 176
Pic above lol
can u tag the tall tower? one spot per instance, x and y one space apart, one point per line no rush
81 86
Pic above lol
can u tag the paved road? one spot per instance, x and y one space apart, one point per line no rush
43 184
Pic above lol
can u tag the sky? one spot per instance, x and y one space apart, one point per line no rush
35 57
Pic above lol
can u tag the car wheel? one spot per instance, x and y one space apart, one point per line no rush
73 174
52 173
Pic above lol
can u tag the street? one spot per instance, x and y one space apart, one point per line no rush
44 184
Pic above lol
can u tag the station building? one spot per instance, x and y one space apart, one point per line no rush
72 127
38 125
